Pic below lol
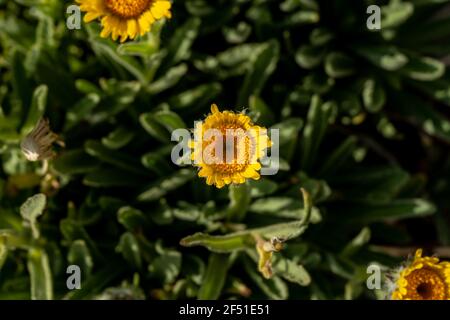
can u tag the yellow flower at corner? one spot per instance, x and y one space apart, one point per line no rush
425 278
125 18
236 161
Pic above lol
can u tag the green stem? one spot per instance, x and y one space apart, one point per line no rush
239 202
215 277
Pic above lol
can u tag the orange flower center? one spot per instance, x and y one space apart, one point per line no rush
234 147
425 284
128 9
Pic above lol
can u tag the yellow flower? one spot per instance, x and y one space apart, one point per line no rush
425 278
125 18
227 148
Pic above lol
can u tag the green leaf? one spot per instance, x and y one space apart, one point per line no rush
31 209
244 239
291 5
220 244
3 251
359 241
424 69
40 275
263 66
107 177
87 87
428 31
163 215
161 124
195 98
373 96
262 112
75 161
288 131
170 120
166 267
377 184
168 80
320 37
163 186
291 271
131 218
79 255
32 58
339 65
215 276
73 230
438 89
83 109
97 282
37 108
240 56
129 247
319 190
395 210
142 49
21 85
107 51
274 288
238 34
385 57
180 43
118 138
262 187
302 17
157 160
395 13
319 117
419 113
314 83
339 157
187 212
283 207
155 129
309 57
118 159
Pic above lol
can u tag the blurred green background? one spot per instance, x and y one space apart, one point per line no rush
364 129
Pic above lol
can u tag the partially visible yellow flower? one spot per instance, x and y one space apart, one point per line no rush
235 162
125 18
425 278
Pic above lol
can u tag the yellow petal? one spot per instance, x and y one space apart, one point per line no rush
204 173
158 10
91 16
132 28
214 108
418 253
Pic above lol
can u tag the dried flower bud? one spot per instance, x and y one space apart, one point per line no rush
265 259
277 244
265 251
37 145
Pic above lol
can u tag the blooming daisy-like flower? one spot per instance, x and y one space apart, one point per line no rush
125 18
425 278
227 147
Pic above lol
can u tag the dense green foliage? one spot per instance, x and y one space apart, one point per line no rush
363 127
